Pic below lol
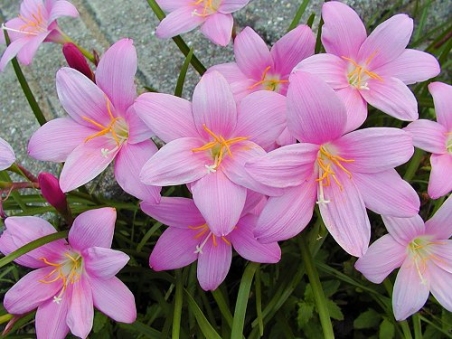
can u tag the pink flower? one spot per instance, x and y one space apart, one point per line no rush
69 277
257 68
372 69
35 24
102 125
190 238
214 17
7 156
208 142
436 138
424 254
343 173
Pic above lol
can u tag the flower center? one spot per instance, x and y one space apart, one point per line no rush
202 231
205 7
358 75
116 129
421 252
68 270
269 82
328 164
34 24
219 147
449 143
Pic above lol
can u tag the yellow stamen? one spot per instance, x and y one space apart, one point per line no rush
360 73
219 147
269 84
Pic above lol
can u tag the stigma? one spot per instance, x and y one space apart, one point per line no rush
359 75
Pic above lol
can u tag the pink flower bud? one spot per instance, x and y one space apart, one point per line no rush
51 191
77 60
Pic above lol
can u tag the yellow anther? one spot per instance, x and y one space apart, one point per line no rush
270 84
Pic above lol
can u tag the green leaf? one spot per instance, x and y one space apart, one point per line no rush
335 310
368 319
387 329
305 313
99 321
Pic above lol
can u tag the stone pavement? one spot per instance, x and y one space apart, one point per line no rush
101 23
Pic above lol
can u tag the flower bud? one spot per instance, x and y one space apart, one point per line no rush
51 191
77 60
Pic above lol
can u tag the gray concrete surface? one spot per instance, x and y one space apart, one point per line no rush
101 23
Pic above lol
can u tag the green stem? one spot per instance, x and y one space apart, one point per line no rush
417 326
413 164
319 296
177 315
25 88
222 305
197 65
298 15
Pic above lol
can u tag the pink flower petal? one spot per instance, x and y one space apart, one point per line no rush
345 215
129 161
114 299
393 97
29 292
171 5
355 105
26 54
248 247
261 117
214 106
80 313
7 156
62 8
428 135
285 216
439 183
218 28
442 98
404 230
287 166
220 201
93 228
440 285
22 230
51 319
229 6
86 162
329 67
314 112
230 71
187 213
138 130
387 193
176 163
441 254
296 45
180 21
103 263
382 257
115 74
56 139
175 248
374 149
343 31
251 54
411 66
81 98
387 41
12 50
439 225
159 110
214 264
410 292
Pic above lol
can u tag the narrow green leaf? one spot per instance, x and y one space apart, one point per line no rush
298 15
142 329
203 323
182 74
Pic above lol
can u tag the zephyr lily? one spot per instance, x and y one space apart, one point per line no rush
35 25
69 277
436 138
342 173
258 68
214 17
208 143
102 125
7 156
372 69
190 238
423 251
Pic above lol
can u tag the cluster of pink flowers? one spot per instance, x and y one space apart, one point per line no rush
264 140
